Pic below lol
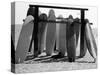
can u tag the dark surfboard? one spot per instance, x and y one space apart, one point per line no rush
71 40
41 32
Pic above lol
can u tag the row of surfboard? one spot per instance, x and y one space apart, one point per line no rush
65 35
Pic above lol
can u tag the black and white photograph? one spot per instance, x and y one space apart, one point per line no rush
53 37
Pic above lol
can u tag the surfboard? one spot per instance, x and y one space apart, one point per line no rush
24 40
79 53
77 27
41 32
62 38
57 35
71 40
83 52
51 34
78 32
83 46
90 41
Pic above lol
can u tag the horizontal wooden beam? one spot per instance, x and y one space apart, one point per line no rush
56 21
51 21
59 22
57 7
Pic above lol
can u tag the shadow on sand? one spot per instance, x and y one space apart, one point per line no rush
55 58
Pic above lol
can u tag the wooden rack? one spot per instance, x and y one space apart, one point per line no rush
36 21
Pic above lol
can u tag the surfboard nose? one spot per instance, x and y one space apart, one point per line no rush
28 19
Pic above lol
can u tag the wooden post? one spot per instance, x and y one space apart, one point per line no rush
82 40
55 46
12 51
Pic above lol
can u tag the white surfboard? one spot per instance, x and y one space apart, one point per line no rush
62 38
57 31
90 41
51 34
77 28
24 40
57 35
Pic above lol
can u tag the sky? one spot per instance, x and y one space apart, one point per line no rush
22 7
